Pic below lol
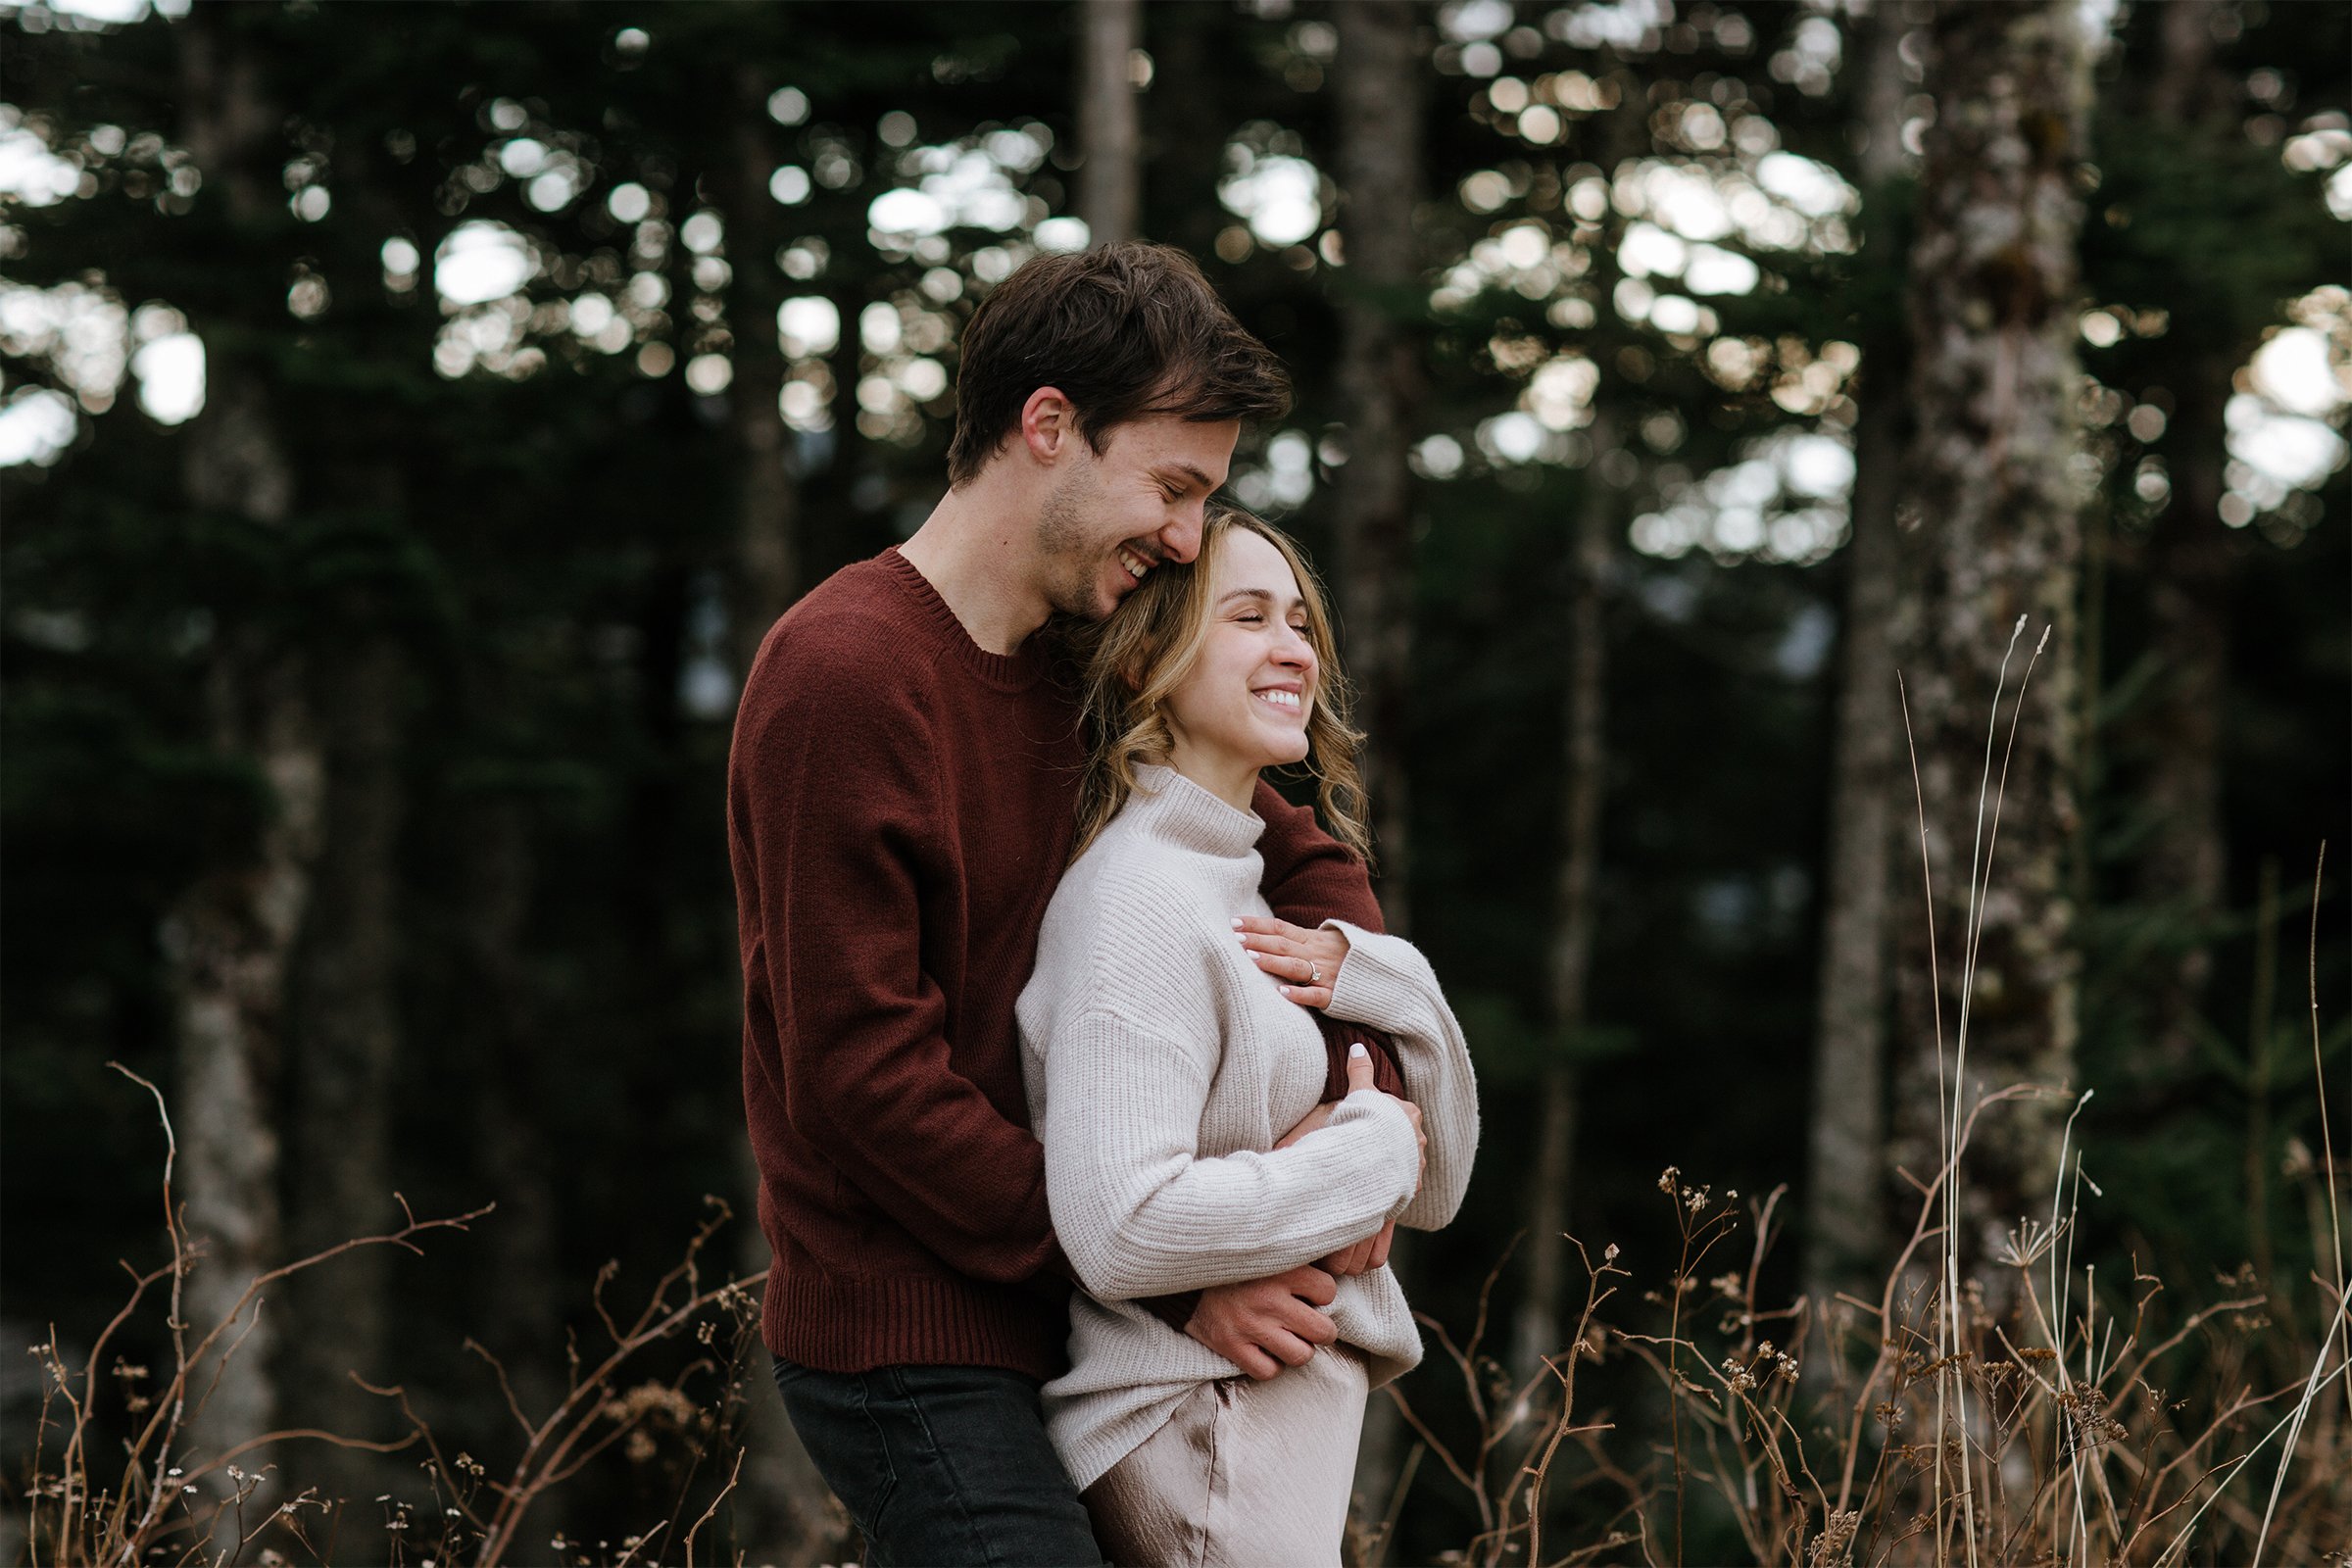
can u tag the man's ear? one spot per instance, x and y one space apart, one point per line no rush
1048 424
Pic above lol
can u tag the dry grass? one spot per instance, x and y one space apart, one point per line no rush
1968 1440
2038 1447
172 1503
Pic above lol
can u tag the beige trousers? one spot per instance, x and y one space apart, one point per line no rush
1244 1475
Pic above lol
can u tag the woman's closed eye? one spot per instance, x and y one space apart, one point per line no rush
1252 617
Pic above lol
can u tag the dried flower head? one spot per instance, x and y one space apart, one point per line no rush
1836 1538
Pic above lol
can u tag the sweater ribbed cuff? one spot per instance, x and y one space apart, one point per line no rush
1383 982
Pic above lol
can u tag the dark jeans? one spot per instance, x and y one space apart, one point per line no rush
941 1464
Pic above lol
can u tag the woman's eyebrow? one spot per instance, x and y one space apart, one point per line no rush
1259 594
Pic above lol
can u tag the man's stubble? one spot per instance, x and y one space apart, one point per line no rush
1069 557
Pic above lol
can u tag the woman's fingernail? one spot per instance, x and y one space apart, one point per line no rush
1236 923
1357 1050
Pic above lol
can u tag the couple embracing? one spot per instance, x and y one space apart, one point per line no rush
1085 1087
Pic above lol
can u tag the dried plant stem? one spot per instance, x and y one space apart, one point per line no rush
123 1528
2336 1285
1989 798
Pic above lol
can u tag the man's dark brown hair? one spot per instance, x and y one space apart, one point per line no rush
1123 330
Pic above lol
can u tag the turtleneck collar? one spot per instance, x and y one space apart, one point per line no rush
1173 807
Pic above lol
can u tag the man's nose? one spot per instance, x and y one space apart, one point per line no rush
1180 539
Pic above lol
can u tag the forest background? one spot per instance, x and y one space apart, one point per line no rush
415 415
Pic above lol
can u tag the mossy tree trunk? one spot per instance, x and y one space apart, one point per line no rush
1988 516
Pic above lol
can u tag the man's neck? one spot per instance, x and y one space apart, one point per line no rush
972 551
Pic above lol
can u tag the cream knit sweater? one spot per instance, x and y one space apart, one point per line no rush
1163 1064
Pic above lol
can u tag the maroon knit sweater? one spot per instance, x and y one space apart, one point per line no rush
900 804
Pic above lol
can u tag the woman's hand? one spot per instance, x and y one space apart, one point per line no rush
1306 962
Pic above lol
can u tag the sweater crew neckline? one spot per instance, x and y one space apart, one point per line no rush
1014 672
1174 807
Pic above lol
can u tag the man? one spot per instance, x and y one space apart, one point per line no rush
900 804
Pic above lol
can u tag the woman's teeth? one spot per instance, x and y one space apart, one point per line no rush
1287 701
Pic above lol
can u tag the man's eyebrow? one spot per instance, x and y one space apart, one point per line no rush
1190 473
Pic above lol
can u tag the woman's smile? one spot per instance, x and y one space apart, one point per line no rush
1245 704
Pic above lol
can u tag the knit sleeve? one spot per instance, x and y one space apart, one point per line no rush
1312 877
1141 1213
1385 982
836 794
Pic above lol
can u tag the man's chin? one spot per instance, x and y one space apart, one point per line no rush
1109 597
1088 602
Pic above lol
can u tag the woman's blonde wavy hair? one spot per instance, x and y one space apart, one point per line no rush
1132 661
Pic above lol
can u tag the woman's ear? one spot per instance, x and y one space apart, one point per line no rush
1131 675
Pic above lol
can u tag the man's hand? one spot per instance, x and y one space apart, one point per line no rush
1262 1326
1358 1257
1305 962
1361 1257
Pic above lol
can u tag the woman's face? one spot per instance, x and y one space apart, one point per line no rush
1245 704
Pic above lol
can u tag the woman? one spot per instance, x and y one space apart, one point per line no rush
1161 1088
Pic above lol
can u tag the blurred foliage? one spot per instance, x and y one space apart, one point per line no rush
546 526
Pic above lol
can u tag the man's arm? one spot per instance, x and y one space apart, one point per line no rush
1307 871
836 804
1312 877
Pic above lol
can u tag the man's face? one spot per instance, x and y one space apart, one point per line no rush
1112 517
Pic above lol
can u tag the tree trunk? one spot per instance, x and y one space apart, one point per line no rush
1378 86
228 938
228 943
346 1011
1377 73
1569 963
1845 1178
1989 509
1111 179
2184 866
1188 127
768 549
520 1305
